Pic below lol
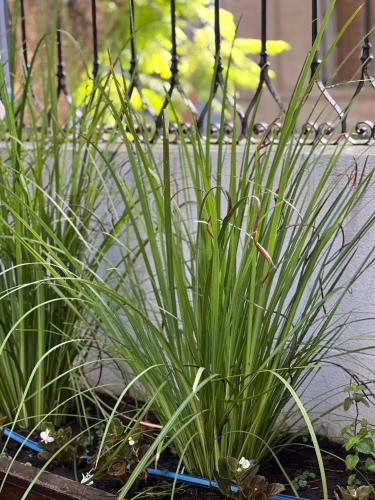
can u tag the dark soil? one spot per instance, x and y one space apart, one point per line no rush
301 457
296 459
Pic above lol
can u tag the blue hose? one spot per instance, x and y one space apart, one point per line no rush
22 440
150 471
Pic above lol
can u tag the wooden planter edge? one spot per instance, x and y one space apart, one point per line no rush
48 486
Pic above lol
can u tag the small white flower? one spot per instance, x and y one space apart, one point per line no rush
46 437
87 478
245 463
131 441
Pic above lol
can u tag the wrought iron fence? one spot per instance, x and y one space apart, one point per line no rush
362 133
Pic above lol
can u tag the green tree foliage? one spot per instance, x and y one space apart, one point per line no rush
195 38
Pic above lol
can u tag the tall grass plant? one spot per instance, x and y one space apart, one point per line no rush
235 273
56 211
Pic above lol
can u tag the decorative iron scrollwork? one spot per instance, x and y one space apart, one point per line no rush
150 122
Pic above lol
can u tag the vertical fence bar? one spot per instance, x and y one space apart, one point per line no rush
4 41
264 78
314 33
367 22
218 60
174 59
95 59
218 70
133 51
364 129
263 54
264 62
134 75
314 27
174 80
60 73
367 55
327 128
25 54
24 35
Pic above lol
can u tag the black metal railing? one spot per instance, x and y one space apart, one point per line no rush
362 133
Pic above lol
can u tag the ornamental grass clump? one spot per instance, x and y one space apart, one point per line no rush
234 272
234 277
55 212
